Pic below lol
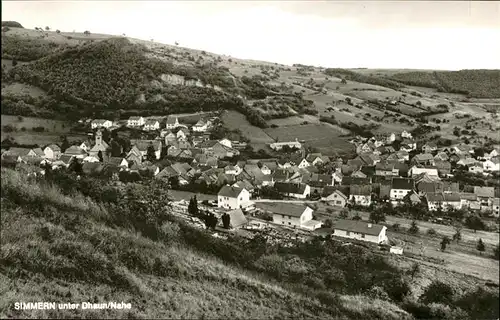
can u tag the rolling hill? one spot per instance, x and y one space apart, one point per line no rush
102 76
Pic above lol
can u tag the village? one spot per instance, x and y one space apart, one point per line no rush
280 195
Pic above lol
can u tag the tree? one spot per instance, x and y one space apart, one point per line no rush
58 31
47 28
150 154
99 155
65 144
414 227
377 216
474 222
116 149
343 81
414 269
438 292
446 241
14 62
226 221
344 214
356 217
193 206
328 223
458 234
87 33
480 246
496 252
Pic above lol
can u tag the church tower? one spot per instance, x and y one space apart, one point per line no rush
98 138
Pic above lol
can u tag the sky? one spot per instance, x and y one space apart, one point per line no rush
448 35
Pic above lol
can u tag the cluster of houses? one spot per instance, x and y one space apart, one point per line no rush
377 172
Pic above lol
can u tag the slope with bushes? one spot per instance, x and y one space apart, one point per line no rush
61 248
84 239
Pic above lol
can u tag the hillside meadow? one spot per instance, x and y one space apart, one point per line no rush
65 238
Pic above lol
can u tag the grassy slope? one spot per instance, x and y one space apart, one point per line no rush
47 255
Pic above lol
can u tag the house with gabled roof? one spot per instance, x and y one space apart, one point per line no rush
423 159
143 145
360 230
492 164
64 161
485 196
361 194
101 123
417 170
334 196
99 146
201 126
117 161
135 121
76 151
172 122
463 149
386 169
230 197
52 152
443 156
294 190
443 200
151 125
429 147
291 215
400 188
236 219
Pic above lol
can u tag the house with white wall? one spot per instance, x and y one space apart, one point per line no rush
151 125
400 187
294 190
361 195
443 200
135 121
101 123
172 122
296 216
492 164
360 230
230 197
52 152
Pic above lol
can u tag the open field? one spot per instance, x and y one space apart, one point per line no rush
324 137
52 134
235 120
186 195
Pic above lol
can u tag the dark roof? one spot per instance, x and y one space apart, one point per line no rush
443 197
228 191
403 183
171 120
423 157
286 187
358 226
289 209
486 192
360 190
354 180
237 218
385 166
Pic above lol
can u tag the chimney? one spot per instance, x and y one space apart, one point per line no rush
369 225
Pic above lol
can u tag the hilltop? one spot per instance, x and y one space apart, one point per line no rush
100 76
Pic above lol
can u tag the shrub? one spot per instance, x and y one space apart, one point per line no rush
438 292
431 232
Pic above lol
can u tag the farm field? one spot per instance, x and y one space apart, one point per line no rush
52 134
326 138
235 120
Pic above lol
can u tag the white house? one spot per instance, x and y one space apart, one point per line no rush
151 125
279 145
226 142
52 152
417 170
400 188
297 216
360 230
492 164
101 123
236 170
304 164
361 195
443 200
336 198
172 122
233 197
294 190
391 138
406 134
135 121
265 169
200 126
